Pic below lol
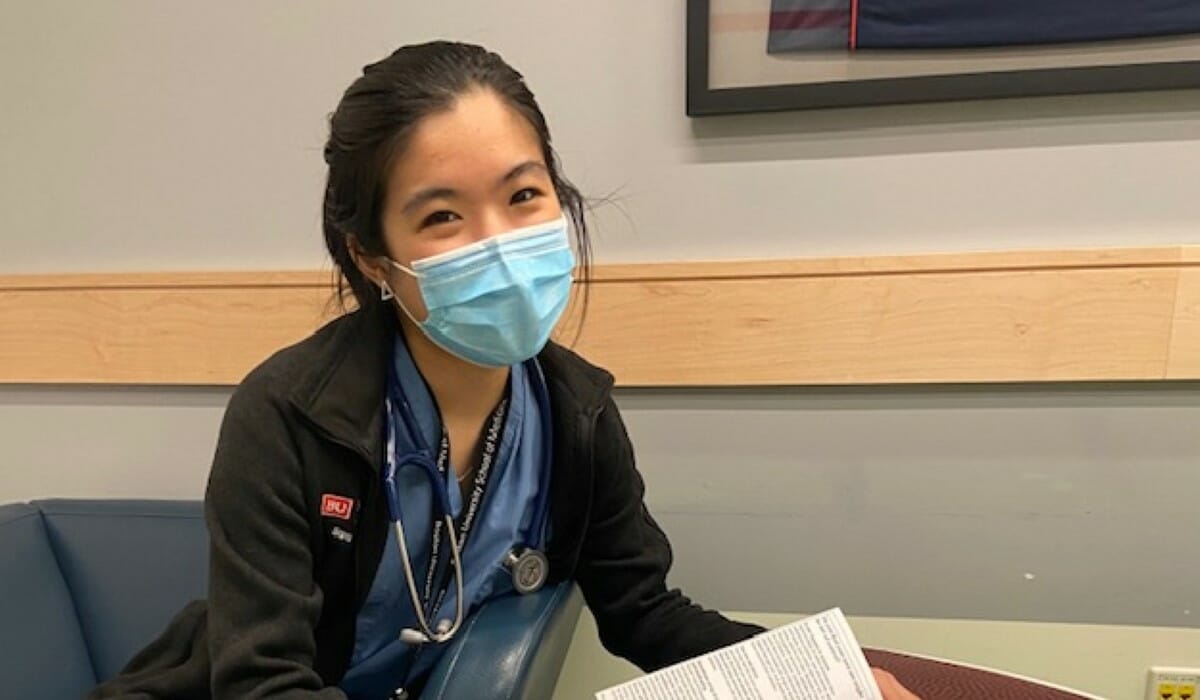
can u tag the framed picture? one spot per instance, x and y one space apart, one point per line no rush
770 55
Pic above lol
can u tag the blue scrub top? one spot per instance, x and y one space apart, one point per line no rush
379 660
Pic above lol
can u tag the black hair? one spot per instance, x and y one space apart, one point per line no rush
374 119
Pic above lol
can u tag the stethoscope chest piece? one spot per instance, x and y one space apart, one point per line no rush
529 569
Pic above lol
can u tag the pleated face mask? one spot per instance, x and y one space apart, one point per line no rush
496 302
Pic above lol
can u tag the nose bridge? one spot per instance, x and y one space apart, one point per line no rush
492 220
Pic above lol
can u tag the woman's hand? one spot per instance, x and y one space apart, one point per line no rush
891 688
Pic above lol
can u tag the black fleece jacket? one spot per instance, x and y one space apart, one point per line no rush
285 589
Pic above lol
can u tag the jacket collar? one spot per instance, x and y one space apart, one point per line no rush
573 380
341 389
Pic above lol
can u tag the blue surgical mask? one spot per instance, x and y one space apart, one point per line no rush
495 302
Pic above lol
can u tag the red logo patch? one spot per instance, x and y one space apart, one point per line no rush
336 506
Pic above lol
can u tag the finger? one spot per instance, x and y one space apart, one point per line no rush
890 687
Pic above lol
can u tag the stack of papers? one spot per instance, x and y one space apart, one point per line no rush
816 658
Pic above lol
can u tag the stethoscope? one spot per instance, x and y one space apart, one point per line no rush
528 565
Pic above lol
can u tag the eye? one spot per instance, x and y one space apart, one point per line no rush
526 195
439 217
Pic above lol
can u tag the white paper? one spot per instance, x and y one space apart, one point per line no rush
816 658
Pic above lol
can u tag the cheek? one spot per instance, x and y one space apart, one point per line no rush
428 243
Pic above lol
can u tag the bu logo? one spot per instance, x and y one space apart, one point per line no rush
333 506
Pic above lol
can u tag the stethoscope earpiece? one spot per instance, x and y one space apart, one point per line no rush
442 633
412 636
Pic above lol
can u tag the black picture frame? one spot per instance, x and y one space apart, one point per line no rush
705 101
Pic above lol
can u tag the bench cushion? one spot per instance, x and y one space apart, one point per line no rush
44 655
130 566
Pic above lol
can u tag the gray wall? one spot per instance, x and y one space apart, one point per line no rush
1011 503
141 135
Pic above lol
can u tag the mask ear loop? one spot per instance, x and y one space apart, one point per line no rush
386 293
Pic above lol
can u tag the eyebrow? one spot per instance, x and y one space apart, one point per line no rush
433 193
522 169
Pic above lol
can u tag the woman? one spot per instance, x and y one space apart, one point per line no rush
447 217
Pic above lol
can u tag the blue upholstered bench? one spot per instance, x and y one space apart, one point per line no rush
85 584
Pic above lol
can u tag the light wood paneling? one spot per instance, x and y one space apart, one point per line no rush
925 327
1184 359
1084 315
152 329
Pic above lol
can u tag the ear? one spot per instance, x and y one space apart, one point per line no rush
373 267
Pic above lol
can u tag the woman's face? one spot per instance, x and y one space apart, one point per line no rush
466 174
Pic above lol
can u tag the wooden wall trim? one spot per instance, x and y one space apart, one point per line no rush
945 263
1010 316
1183 359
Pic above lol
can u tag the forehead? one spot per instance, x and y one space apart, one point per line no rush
480 138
